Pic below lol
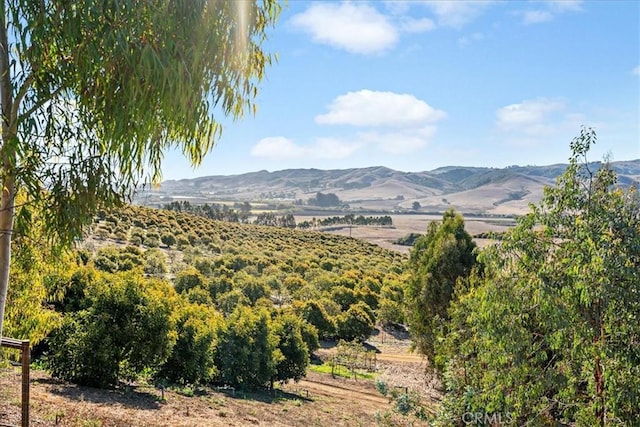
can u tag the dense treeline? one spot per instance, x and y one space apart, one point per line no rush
186 298
322 200
493 235
221 212
541 328
349 219
407 240
273 220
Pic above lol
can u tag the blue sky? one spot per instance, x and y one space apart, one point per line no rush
418 85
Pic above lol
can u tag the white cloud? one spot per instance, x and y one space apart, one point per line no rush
636 71
400 142
536 16
374 108
281 148
530 116
397 142
456 13
356 28
388 122
412 25
549 10
537 121
276 147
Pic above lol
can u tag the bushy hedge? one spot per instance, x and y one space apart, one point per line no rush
126 327
191 361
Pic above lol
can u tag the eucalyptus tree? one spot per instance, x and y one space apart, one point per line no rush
439 260
550 334
94 92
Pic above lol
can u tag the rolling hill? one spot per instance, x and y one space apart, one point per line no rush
467 189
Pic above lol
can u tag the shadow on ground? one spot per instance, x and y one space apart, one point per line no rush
269 396
127 396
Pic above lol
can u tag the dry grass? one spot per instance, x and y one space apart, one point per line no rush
318 400
414 223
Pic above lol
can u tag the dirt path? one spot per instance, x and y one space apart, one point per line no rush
318 400
399 357
323 384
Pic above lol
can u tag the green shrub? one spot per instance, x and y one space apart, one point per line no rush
247 354
293 365
188 279
315 314
355 323
155 262
310 336
191 361
382 387
125 328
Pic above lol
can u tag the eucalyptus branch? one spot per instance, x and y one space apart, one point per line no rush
5 77
24 89
40 103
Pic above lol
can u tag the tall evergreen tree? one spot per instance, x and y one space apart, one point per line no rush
439 260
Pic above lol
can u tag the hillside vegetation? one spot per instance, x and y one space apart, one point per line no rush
466 189
226 303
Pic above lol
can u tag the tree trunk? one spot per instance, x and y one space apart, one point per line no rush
7 163
7 206
599 383
598 374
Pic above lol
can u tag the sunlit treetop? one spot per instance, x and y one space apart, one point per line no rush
102 88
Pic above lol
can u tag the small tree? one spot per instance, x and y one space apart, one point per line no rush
247 354
191 361
315 314
295 353
168 239
189 279
125 328
356 323
155 262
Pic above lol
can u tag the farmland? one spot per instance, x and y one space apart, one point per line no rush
317 400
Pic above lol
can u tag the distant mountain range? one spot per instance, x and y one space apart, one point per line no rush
468 189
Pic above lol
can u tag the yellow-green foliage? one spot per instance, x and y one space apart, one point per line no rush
36 266
123 324
240 264
245 307
191 360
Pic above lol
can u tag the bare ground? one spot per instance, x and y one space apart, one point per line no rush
416 223
317 400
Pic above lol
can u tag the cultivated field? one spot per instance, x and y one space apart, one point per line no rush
414 223
319 399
